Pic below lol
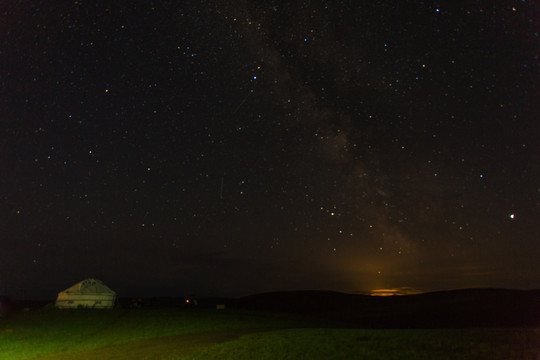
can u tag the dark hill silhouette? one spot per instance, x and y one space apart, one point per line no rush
443 309
457 308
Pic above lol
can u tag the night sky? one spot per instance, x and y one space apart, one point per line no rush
229 148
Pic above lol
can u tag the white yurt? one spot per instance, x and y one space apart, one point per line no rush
89 293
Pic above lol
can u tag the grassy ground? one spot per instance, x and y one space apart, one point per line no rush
173 333
379 344
27 335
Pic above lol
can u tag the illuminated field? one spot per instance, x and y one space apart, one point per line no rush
174 333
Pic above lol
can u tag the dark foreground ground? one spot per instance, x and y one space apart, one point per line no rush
316 325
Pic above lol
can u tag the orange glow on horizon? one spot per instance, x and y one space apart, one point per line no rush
394 291
384 292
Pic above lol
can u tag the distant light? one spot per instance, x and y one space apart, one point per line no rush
512 216
437 10
395 291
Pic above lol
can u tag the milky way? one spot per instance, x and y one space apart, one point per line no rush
228 149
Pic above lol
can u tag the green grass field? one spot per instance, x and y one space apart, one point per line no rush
175 333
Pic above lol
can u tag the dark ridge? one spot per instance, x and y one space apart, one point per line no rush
204 302
444 309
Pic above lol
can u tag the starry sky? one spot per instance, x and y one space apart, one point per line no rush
229 148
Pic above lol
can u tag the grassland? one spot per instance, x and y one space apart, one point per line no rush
175 333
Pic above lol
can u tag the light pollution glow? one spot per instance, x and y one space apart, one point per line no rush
395 291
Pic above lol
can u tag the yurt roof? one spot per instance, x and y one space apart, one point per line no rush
89 286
